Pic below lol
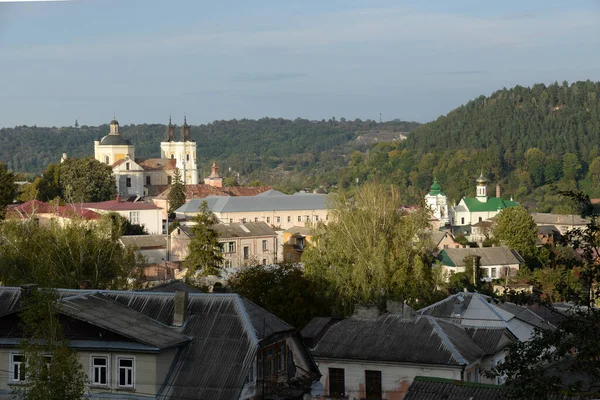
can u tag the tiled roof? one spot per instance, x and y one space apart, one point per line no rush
157 163
492 204
71 212
392 338
427 388
499 255
219 204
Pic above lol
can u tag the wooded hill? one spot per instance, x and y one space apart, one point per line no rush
252 148
523 138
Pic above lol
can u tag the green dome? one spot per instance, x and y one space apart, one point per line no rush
435 189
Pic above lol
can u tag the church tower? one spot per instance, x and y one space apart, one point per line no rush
113 147
481 188
214 179
184 152
437 202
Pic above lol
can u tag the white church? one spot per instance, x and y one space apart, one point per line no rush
147 177
437 202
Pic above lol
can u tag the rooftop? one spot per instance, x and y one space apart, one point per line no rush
428 388
202 190
238 229
558 219
489 256
307 201
144 241
491 204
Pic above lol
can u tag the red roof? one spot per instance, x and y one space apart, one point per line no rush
71 211
116 205
30 207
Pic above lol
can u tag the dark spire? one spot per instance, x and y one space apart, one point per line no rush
185 130
170 136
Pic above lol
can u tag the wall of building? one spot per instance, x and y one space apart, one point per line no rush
281 219
114 153
395 377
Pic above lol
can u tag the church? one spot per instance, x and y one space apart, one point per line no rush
148 177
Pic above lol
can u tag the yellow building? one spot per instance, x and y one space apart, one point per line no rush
295 240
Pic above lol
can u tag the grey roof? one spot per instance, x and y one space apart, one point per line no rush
115 140
489 255
225 204
271 192
102 311
315 327
393 338
144 241
301 230
491 340
477 310
427 388
437 237
225 331
171 287
548 230
237 229
558 219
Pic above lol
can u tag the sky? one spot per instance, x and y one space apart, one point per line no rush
143 60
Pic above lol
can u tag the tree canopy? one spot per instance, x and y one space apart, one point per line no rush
205 256
8 189
516 229
176 196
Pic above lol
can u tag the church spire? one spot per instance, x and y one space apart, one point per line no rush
170 136
185 130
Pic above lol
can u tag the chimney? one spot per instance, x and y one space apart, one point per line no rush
394 307
118 198
498 190
180 307
365 312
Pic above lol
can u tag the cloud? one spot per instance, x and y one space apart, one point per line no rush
268 77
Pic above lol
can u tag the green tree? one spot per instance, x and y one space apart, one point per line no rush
571 167
86 180
516 229
368 252
52 370
176 197
8 189
205 256
594 172
283 290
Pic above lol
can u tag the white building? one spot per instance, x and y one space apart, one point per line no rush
184 152
471 210
437 202
147 215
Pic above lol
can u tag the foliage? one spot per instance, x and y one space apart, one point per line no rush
86 180
368 253
8 189
52 370
516 229
64 256
205 256
176 196
283 290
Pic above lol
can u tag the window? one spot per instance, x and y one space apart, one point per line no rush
255 219
268 220
281 358
316 218
127 166
264 242
106 160
493 272
128 182
231 220
250 377
462 220
289 219
270 362
244 220
172 156
148 180
373 384
99 371
17 363
231 247
326 217
278 219
336 382
469 378
307 217
169 180
259 365
299 218
264 261
134 217
480 219
246 252
187 157
125 377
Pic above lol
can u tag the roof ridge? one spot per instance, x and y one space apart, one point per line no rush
446 340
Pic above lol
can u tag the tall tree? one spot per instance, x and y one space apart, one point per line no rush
52 369
176 196
8 189
516 229
205 256
368 252
86 180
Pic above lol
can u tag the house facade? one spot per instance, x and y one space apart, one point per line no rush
149 345
295 240
494 262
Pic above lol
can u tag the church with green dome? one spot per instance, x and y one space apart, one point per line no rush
437 202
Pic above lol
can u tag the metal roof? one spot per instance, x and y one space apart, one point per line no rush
235 230
115 140
492 339
428 388
102 311
558 219
489 256
144 241
393 338
225 204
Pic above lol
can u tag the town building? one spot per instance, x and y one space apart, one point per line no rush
437 202
562 223
279 210
168 346
152 248
471 210
497 262
295 240
242 244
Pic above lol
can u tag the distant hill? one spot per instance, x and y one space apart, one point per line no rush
522 138
246 146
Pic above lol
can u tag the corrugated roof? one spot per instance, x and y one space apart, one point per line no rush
171 287
315 327
116 205
427 388
491 340
221 204
144 241
396 339
102 311
488 256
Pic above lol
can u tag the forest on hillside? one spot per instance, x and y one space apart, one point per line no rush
250 148
532 141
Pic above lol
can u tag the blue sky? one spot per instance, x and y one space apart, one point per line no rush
413 60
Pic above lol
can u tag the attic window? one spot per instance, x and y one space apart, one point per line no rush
127 166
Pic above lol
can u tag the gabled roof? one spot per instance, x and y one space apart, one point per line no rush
491 340
489 256
492 204
429 388
221 204
30 207
392 338
102 311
